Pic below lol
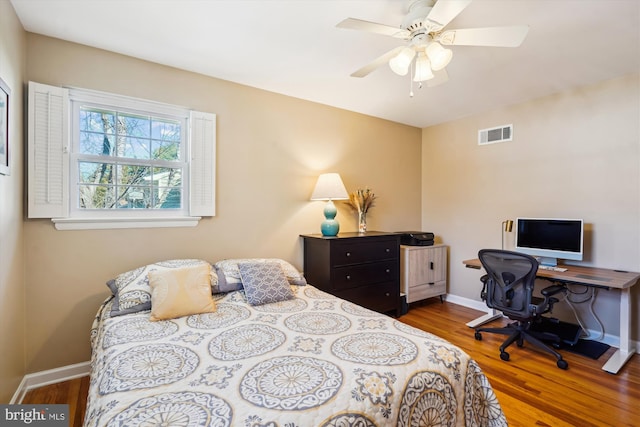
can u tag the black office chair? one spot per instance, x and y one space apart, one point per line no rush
508 287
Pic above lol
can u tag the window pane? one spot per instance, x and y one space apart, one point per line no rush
169 198
134 148
96 173
134 126
93 120
132 197
134 175
167 177
165 150
97 143
165 130
166 139
96 196
168 182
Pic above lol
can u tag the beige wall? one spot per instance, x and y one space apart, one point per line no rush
573 155
12 295
271 149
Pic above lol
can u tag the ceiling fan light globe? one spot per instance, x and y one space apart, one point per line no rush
400 63
439 56
423 69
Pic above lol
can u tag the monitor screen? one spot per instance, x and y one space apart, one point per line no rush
550 238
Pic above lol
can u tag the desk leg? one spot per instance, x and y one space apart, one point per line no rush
486 318
620 357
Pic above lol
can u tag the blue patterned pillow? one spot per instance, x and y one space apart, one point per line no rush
264 282
229 275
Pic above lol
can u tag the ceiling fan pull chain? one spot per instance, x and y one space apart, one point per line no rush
411 83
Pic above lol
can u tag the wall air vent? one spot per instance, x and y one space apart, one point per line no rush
491 136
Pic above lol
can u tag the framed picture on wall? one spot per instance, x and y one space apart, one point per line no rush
4 127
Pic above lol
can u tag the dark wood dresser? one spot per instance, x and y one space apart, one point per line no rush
361 268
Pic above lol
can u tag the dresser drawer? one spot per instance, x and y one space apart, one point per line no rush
353 252
381 297
362 274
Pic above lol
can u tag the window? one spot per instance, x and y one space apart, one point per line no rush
116 161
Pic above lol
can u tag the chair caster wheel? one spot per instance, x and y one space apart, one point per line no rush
520 343
478 336
562 364
504 356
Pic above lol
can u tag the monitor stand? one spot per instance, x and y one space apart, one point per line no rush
548 261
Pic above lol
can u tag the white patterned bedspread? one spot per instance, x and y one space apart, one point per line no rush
315 360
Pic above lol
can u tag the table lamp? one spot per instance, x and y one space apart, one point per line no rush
507 225
330 187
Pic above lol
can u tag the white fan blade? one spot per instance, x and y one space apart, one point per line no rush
377 62
444 11
490 36
439 77
372 27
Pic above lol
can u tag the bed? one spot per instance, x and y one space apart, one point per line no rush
303 359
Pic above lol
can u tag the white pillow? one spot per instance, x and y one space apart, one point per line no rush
131 289
181 292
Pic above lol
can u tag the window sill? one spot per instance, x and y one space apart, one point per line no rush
112 223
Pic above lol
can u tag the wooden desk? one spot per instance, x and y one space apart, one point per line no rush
589 276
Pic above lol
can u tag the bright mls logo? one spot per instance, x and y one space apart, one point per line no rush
34 415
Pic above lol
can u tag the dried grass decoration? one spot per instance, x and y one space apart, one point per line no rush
362 200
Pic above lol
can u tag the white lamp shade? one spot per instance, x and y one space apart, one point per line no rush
423 69
329 187
438 56
401 62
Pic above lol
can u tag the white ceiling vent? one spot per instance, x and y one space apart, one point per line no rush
491 136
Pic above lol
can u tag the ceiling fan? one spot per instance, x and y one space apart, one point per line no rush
423 30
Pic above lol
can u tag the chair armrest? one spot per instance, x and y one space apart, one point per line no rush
483 293
552 290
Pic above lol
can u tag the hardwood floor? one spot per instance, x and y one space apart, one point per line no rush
530 388
74 392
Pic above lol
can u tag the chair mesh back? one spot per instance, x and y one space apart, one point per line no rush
511 280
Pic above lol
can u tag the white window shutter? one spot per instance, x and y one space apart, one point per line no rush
202 170
48 151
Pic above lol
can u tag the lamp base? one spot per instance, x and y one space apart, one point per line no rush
330 226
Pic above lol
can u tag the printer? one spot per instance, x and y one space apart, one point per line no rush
416 238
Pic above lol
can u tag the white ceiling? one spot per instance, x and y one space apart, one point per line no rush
292 47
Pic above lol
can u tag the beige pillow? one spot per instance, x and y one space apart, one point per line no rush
181 292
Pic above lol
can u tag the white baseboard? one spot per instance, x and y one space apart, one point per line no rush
466 302
52 376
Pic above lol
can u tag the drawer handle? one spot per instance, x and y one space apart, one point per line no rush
388 271
387 250
387 294
432 283
431 265
348 254
348 277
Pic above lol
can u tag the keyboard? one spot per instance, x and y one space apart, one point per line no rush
552 268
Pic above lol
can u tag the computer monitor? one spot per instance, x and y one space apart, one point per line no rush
550 239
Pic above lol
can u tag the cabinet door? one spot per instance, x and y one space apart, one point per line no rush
424 272
427 265
437 261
